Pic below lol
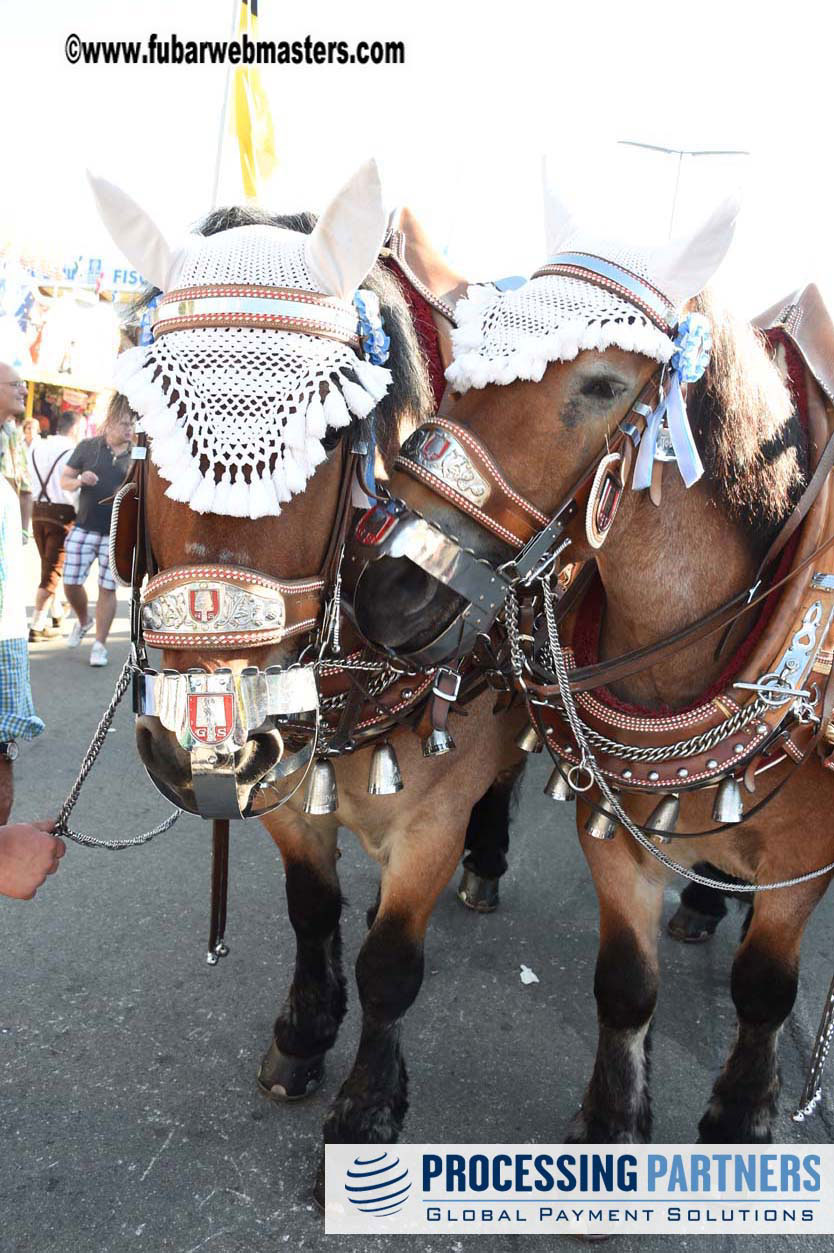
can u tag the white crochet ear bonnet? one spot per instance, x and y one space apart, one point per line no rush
593 293
235 406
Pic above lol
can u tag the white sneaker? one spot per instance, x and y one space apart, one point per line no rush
77 633
98 654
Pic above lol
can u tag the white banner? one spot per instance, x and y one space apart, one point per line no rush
530 1189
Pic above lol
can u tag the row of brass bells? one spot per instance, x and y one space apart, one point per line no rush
384 779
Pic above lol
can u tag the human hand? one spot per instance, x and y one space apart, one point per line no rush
88 477
28 853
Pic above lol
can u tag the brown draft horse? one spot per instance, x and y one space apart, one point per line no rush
660 568
416 836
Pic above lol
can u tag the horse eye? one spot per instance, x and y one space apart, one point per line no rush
332 438
599 389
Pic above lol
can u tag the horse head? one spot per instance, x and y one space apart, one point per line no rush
543 433
263 398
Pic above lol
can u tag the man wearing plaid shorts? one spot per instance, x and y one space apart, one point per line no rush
98 467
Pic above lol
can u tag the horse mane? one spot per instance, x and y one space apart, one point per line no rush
744 418
409 399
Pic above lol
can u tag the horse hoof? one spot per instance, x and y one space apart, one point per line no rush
690 927
478 893
285 1078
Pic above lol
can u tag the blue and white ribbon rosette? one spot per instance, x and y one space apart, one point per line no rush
375 343
693 344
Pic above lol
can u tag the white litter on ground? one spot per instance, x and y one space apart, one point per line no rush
527 975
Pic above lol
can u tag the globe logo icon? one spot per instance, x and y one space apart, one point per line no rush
378 1183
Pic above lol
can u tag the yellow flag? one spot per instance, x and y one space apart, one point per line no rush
251 119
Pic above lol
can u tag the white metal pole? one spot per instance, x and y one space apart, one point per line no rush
224 114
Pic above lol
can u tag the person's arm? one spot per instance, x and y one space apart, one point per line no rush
72 479
74 475
26 511
28 853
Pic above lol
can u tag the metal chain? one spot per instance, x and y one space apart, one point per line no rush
376 687
590 763
79 837
682 748
514 635
668 752
812 1092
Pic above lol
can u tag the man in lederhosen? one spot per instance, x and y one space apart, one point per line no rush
53 514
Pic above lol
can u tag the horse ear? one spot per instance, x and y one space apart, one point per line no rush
683 267
559 222
134 232
347 238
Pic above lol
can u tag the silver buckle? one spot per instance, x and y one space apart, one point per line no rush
445 695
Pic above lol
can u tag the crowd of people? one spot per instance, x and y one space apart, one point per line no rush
56 490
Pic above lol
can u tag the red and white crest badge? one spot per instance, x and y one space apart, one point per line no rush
204 603
435 447
210 716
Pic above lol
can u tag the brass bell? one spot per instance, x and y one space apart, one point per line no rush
664 816
557 787
529 740
602 825
384 776
728 805
437 743
322 795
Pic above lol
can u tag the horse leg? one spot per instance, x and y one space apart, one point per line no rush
764 980
306 1027
701 909
616 1107
372 1102
486 844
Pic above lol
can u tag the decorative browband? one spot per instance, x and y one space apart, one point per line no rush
617 280
224 607
253 305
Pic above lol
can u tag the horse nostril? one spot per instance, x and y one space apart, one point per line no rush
258 755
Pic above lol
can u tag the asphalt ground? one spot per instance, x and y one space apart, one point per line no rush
129 1117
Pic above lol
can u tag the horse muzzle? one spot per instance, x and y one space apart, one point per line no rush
464 592
229 732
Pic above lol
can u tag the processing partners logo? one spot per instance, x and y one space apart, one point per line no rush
377 1183
587 1190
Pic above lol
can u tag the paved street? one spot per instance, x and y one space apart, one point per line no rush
129 1117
